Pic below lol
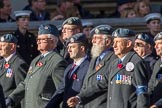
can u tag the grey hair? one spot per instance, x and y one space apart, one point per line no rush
54 38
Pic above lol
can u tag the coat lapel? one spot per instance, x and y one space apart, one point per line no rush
101 64
115 67
12 59
39 64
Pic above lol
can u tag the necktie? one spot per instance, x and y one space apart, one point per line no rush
71 69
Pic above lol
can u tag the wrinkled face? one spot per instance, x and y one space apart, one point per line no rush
131 14
158 47
120 46
74 50
141 47
45 43
5 49
144 9
23 22
99 44
154 26
7 7
68 31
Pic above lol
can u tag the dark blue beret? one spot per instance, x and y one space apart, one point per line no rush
158 36
145 37
77 38
73 21
121 2
102 29
123 33
10 38
48 29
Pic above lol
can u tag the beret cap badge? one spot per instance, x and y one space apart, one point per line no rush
69 21
97 31
72 40
2 39
46 27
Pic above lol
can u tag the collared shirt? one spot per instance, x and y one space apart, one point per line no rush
78 63
9 57
122 59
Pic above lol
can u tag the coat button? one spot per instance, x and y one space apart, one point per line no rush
111 82
110 98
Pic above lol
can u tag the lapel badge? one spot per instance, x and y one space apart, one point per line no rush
30 70
129 66
6 66
39 64
9 73
99 77
74 76
98 67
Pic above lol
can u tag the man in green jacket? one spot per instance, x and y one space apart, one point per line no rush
45 72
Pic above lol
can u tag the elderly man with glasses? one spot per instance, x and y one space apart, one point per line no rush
144 46
45 72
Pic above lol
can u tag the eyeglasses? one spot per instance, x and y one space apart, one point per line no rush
138 44
43 39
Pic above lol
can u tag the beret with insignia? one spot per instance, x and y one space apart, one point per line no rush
158 36
73 21
48 29
77 38
102 29
10 38
123 33
144 37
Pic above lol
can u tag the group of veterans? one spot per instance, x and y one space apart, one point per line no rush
108 68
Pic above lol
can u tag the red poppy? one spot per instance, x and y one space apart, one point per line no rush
74 76
6 65
120 66
39 64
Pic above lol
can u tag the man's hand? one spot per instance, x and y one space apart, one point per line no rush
72 102
153 106
9 102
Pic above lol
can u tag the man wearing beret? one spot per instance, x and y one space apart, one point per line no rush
144 47
125 79
45 72
102 55
13 68
155 83
26 45
153 23
70 26
74 73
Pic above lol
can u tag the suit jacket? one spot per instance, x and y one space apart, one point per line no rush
10 77
121 83
93 76
70 86
18 67
155 83
43 78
